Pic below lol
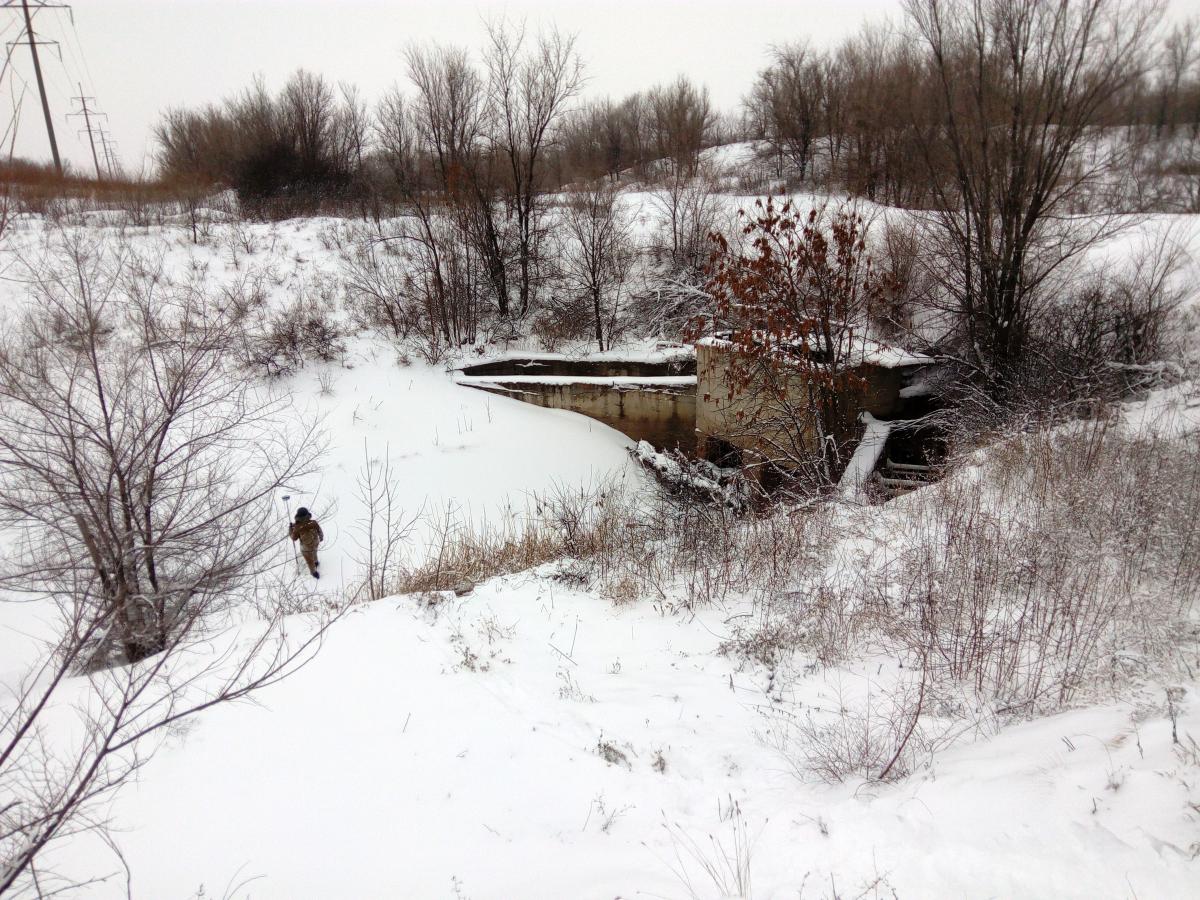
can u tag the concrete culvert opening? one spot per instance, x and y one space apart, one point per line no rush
653 401
659 402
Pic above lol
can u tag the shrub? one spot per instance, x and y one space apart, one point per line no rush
791 307
560 320
1059 566
377 290
282 341
1074 546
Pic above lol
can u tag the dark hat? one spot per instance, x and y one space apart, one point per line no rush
303 513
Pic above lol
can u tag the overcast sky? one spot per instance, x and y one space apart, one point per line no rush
138 58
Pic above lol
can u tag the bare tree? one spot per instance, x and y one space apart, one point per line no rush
437 282
607 138
881 107
282 153
529 92
352 127
687 213
384 528
452 121
352 135
309 111
681 119
448 112
787 101
634 113
142 472
1181 53
376 279
419 170
1020 86
618 148
592 141
597 256
833 109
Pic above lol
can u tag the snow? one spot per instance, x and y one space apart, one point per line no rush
866 456
615 381
390 766
202 214
863 351
877 354
450 447
701 477
442 747
1169 412
920 389
658 352
729 158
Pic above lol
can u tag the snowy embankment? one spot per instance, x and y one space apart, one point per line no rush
534 740
538 739
452 449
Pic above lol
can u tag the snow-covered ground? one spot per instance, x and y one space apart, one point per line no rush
535 739
466 744
450 446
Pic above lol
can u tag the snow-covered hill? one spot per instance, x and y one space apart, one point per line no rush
535 738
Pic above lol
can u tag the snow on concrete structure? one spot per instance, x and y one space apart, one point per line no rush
645 398
740 423
866 456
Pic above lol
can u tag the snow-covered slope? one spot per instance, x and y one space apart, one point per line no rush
535 739
450 447
532 740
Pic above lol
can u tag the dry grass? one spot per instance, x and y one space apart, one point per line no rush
40 190
1054 565
676 551
1074 548
468 554
1057 565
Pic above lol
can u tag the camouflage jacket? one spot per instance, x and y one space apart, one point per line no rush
308 533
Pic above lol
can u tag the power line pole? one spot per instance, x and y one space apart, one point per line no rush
110 153
87 123
37 70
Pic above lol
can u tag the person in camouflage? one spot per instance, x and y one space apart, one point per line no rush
308 532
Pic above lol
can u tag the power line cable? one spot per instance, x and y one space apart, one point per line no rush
77 76
91 82
71 39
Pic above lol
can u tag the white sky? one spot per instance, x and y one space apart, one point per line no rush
138 58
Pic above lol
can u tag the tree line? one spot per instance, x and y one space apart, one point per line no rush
867 117
986 117
857 116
